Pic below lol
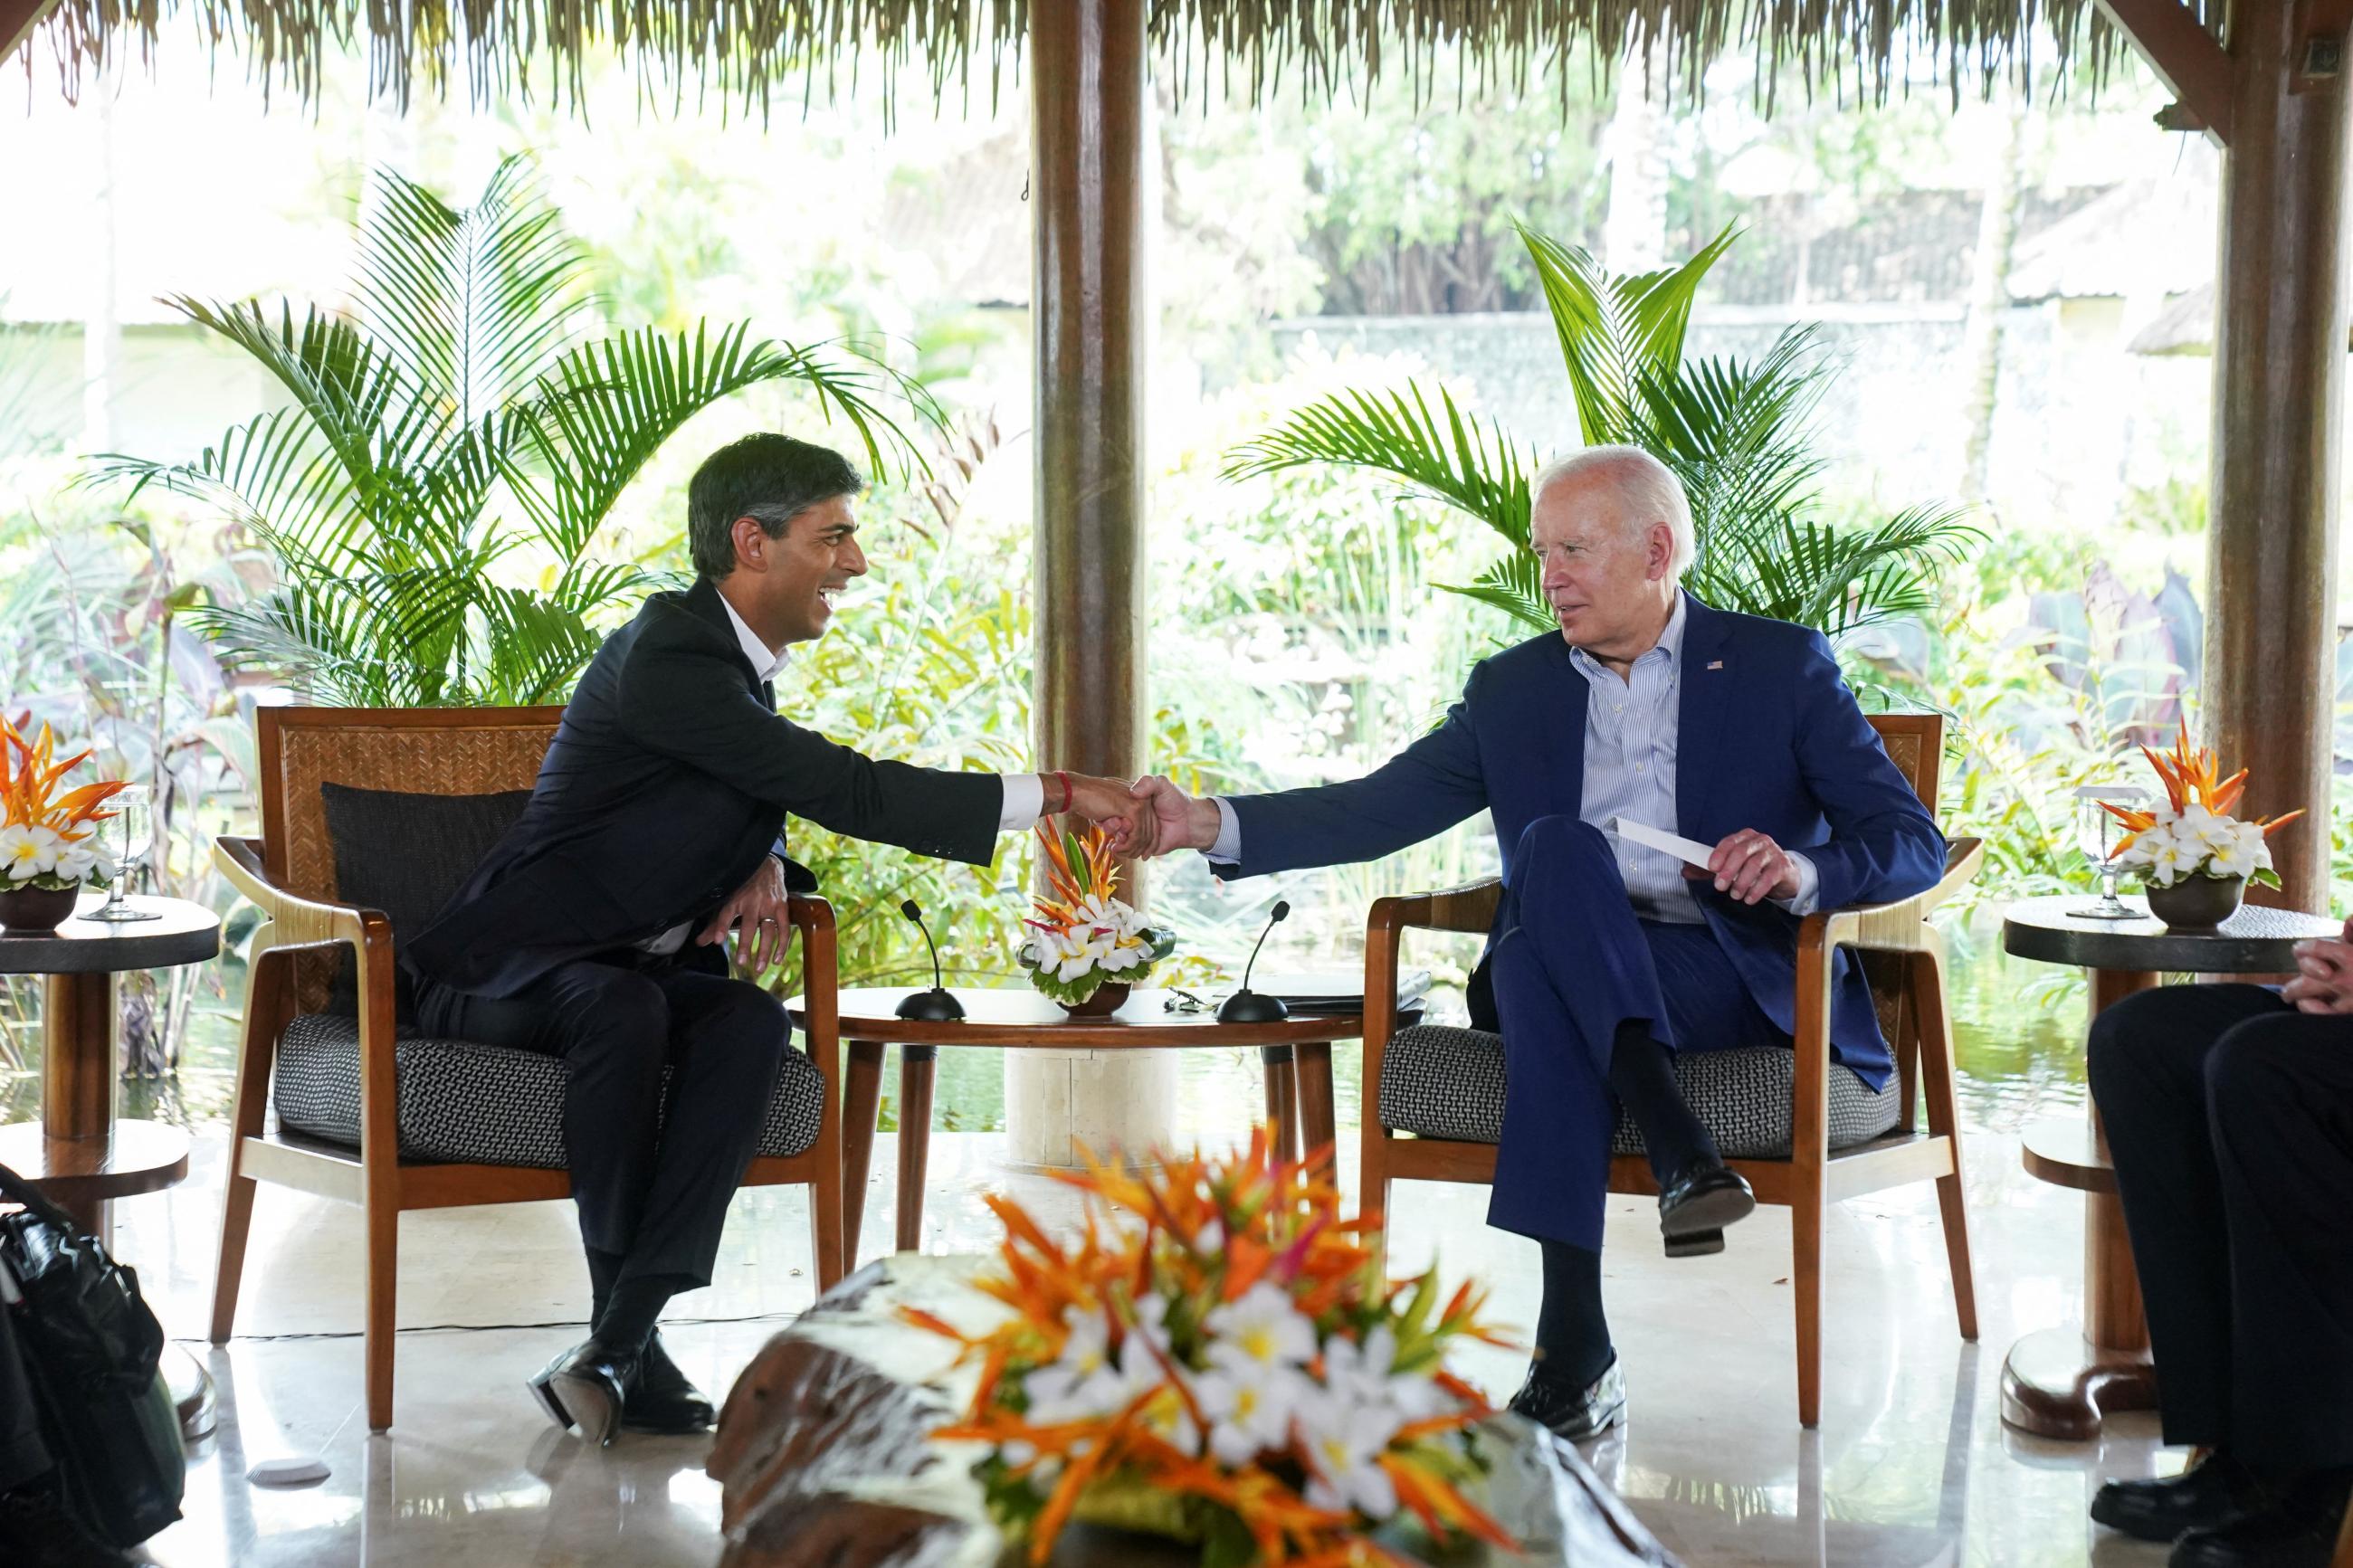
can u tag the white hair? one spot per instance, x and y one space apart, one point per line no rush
1648 489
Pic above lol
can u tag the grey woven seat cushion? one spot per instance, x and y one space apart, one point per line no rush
480 1104
1444 1082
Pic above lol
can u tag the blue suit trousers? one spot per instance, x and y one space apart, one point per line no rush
1572 963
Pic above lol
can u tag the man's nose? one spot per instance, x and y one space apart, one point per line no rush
857 565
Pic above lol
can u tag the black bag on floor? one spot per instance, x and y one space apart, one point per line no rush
92 1351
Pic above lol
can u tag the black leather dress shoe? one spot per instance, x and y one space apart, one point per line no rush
2298 1530
2204 1497
1705 1195
1571 1411
662 1399
585 1387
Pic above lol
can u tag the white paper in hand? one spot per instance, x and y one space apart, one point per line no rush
1691 851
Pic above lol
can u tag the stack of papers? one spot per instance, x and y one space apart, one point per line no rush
1338 991
1691 851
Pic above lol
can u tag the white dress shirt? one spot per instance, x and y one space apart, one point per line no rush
1025 794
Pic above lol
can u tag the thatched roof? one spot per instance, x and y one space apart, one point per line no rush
740 49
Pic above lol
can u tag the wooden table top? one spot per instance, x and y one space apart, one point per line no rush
1018 1016
2255 940
188 933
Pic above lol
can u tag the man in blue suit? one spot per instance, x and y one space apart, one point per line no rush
1608 957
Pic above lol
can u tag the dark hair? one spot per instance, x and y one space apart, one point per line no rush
767 477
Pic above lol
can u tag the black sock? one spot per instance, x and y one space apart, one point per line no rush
628 1318
1642 1077
1572 1333
604 1269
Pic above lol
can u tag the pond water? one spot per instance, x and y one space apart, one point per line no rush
2017 1030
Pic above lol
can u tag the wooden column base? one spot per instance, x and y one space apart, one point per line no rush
81 1176
2057 1383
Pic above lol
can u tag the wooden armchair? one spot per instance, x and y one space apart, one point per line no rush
1904 955
290 874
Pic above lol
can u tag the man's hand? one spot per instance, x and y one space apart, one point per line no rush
1183 822
1106 803
2323 980
757 914
1749 866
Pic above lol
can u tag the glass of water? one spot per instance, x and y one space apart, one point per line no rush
2096 835
128 834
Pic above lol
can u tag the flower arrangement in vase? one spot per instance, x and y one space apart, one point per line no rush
48 842
1218 1358
2194 857
1085 948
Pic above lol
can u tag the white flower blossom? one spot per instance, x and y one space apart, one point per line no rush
1264 1327
1343 1442
27 852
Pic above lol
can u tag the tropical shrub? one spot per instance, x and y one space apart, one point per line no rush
431 493
1735 432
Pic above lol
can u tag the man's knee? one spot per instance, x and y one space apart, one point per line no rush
2119 1032
1565 843
625 1025
749 1023
2253 1071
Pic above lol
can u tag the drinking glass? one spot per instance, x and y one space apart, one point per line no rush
2096 833
129 833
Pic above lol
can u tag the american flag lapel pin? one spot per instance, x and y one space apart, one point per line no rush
1716 663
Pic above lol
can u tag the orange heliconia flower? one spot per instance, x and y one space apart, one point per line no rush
1190 1234
25 798
2187 775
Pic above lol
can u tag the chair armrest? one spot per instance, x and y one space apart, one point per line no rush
294 920
1895 927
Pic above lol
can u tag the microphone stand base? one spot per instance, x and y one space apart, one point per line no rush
936 1005
1252 1007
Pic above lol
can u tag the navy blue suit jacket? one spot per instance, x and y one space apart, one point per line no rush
1770 738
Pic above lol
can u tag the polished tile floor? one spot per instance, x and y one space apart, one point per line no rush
1910 1467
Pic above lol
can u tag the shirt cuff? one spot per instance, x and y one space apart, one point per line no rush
1025 801
1228 846
1810 887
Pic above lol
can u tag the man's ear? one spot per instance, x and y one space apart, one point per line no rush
751 541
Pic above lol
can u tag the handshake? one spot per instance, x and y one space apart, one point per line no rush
1145 819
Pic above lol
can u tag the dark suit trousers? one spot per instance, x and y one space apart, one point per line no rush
652 1190
2230 1121
1572 962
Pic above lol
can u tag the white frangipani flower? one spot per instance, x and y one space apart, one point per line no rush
1342 1443
27 852
1263 1326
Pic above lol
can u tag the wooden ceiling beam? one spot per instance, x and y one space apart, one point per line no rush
2185 58
17 20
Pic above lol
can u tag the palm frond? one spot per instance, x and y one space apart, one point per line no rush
1452 457
1614 331
470 303
1513 585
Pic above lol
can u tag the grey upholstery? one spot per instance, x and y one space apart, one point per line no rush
1444 1082
480 1104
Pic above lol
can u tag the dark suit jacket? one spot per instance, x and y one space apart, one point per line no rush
1769 739
669 779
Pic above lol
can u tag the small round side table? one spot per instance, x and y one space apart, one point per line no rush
77 1154
2060 1382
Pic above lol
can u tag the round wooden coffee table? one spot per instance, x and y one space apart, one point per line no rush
1297 1052
77 1154
2060 1382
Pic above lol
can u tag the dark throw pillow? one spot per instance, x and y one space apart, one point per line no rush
407 855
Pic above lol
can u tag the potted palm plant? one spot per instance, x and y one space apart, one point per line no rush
1735 432
453 426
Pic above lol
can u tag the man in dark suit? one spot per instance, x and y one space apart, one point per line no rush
1607 956
594 929
2229 1111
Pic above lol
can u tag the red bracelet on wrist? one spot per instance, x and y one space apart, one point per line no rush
1064 780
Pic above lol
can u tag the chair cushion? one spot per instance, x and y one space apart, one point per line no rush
1444 1082
480 1104
407 855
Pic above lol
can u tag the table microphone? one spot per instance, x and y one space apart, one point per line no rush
937 1006
1248 1006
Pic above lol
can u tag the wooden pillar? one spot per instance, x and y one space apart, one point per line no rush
1091 316
2279 358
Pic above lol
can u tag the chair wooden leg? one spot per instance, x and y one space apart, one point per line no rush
1806 1275
267 1007
2344 1558
1943 1121
383 1298
825 1226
